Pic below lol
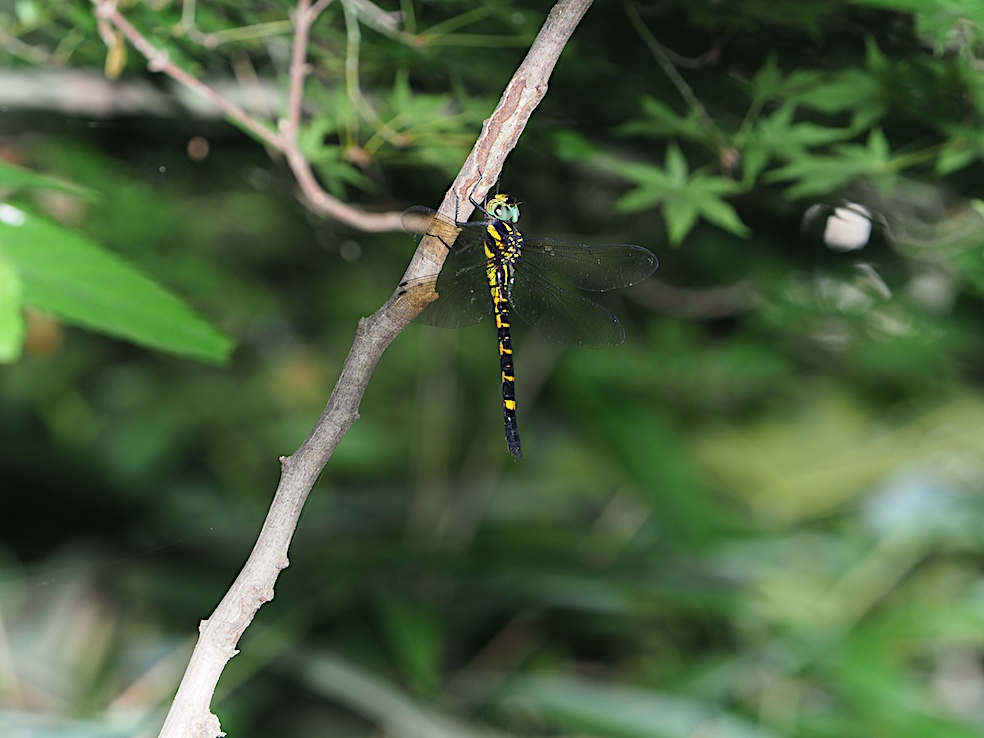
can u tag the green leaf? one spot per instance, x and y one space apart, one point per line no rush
723 216
856 91
12 325
944 21
676 165
681 216
376 698
415 635
878 147
641 198
685 197
767 82
956 155
16 177
572 146
963 145
777 136
585 706
77 280
830 171
661 122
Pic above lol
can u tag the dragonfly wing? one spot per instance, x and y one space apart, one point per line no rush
463 297
463 291
593 268
561 315
465 237
419 220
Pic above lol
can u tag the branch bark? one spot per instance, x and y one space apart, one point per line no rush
190 715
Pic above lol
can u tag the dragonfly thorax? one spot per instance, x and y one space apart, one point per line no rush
503 207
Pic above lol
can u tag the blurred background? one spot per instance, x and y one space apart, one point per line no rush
760 516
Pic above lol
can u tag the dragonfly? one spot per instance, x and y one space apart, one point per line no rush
492 269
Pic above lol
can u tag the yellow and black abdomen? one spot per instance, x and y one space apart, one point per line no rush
536 279
503 247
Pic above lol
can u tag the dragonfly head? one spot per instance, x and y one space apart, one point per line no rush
503 207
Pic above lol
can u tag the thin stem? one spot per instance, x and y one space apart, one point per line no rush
386 22
663 59
353 42
158 61
353 85
458 21
215 38
283 140
304 17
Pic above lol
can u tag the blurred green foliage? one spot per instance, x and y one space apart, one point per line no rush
760 516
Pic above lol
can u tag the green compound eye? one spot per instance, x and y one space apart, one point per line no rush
503 207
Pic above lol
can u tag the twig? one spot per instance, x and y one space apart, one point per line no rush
210 40
283 140
663 59
304 16
189 716
158 61
384 21
353 87
320 201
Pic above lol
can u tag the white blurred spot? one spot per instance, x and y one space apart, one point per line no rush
933 289
198 148
958 681
260 179
350 250
883 324
11 215
919 497
873 279
849 228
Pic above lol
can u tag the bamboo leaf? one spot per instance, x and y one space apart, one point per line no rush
80 282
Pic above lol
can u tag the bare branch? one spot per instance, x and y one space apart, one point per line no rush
502 129
304 16
283 140
190 716
320 201
158 61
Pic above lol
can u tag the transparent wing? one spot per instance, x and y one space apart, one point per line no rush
419 220
593 268
558 313
462 288
561 315
463 297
